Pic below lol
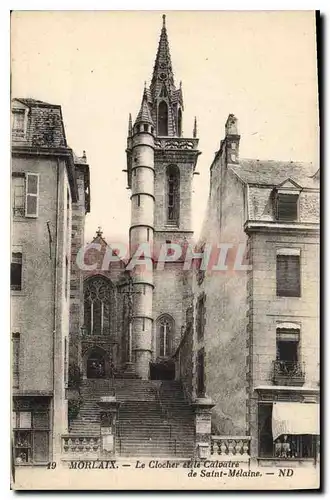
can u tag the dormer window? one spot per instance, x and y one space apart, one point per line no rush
287 207
18 121
287 199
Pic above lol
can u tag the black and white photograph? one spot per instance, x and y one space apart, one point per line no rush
165 220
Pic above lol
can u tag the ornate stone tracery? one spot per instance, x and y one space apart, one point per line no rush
165 331
98 299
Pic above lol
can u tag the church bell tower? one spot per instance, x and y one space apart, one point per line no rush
160 168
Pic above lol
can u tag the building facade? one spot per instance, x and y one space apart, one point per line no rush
256 336
44 191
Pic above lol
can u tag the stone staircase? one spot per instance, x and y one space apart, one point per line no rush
153 420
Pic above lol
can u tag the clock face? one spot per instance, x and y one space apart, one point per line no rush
162 76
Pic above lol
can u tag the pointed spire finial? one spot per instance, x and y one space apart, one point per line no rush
144 113
163 67
84 154
129 125
99 232
195 128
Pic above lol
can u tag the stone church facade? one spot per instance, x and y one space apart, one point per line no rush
138 325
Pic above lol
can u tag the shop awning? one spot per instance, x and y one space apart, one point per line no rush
295 418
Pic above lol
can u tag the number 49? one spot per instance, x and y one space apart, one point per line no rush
51 465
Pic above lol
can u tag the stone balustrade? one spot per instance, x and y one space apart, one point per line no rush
237 447
176 143
81 446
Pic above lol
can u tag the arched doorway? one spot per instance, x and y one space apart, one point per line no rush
96 363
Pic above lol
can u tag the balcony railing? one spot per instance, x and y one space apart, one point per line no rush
231 446
81 446
288 373
293 447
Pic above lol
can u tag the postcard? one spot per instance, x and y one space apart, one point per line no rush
165 186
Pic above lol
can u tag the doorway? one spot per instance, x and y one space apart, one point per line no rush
96 364
162 371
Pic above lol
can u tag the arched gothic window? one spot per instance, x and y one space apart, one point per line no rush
173 194
162 118
165 331
97 306
179 122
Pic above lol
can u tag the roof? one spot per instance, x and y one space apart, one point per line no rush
44 132
28 101
273 172
45 126
144 113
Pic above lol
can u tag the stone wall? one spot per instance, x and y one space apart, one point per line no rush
225 341
32 308
40 311
76 283
171 296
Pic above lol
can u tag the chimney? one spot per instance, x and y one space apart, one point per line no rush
232 140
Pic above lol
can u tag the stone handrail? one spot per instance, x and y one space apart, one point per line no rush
231 446
80 445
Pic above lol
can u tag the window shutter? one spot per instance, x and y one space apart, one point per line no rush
40 420
16 271
25 419
287 207
32 193
288 275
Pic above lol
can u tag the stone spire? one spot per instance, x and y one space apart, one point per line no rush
163 73
144 113
130 127
195 128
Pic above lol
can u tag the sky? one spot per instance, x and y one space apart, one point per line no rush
261 66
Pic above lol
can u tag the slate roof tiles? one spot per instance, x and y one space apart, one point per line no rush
273 172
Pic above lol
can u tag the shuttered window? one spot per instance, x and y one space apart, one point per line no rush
18 195
32 192
16 271
288 275
287 207
18 119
